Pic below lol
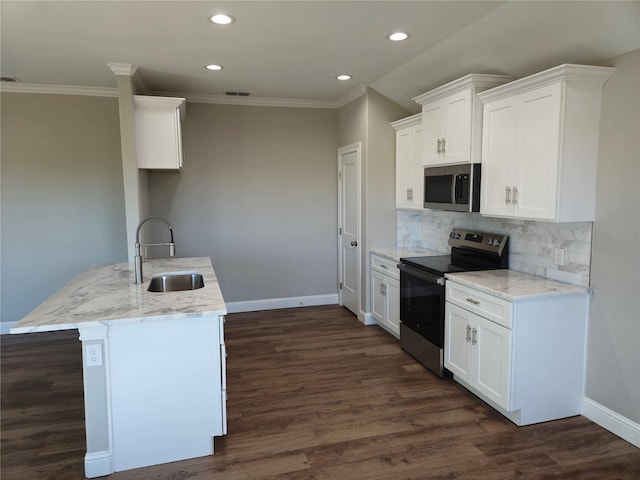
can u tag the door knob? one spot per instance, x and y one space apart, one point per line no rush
354 244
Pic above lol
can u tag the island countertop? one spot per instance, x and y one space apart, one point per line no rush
107 294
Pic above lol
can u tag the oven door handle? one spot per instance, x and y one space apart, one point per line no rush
429 277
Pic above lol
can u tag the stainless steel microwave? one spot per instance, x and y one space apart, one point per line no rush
455 188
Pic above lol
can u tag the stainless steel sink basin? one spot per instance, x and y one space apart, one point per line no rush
175 282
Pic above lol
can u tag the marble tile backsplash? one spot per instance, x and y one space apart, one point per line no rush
532 244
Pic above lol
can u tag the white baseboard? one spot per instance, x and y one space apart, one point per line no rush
98 464
277 303
612 421
5 327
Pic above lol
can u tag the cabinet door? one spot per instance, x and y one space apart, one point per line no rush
457 341
378 300
158 132
498 158
538 146
405 168
457 135
393 306
492 360
433 125
418 167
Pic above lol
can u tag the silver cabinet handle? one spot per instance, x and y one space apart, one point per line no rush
382 289
507 199
439 146
515 195
444 145
383 266
409 193
471 300
468 333
474 336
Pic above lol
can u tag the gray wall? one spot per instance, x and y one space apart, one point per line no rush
61 194
367 119
257 194
613 370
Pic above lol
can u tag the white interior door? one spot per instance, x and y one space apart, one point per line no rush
349 226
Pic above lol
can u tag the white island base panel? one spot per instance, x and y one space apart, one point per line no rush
156 395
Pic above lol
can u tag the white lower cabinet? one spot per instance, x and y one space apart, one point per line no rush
385 294
523 357
477 351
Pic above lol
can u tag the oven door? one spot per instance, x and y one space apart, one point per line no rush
422 299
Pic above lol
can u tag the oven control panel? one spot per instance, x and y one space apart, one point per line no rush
488 242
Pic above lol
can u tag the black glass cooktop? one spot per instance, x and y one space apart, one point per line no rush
438 265
460 262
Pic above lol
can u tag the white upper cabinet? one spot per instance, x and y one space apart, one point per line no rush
158 131
409 169
452 119
540 145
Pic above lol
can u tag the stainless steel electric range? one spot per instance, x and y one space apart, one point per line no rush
422 292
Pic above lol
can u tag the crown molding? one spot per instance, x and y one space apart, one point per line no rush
125 69
567 72
476 81
189 97
250 101
407 121
128 70
58 89
350 96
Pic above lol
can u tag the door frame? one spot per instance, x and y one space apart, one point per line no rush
357 148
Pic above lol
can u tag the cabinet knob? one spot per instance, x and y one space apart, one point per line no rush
507 199
474 336
515 195
444 145
439 146
468 333
354 244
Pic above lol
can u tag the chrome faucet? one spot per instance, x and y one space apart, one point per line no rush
138 256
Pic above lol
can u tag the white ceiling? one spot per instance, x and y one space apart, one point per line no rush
294 49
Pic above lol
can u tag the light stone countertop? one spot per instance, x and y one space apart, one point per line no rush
513 286
395 254
106 294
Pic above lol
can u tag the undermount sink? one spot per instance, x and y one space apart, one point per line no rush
176 282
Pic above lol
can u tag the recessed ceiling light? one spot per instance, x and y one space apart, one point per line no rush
398 36
213 66
222 19
344 77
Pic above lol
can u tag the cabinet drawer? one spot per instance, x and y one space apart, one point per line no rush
480 303
384 265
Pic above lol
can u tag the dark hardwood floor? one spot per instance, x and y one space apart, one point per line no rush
313 394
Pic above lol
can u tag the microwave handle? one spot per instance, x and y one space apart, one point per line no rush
456 188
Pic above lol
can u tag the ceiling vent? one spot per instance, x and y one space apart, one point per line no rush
237 94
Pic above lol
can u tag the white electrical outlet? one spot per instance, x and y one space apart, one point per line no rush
558 256
93 355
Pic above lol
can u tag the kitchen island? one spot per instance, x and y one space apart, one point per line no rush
153 363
